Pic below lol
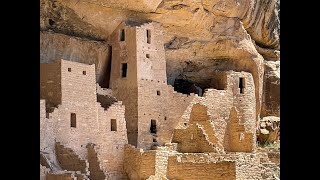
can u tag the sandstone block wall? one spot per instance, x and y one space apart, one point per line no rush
192 140
70 161
78 83
125 88
151 62
92 122
219 104
173 165
186 168
139 164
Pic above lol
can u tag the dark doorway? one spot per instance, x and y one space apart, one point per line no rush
124 70
148 36
153 126
107 70
73 120
113 125
241 85
122 35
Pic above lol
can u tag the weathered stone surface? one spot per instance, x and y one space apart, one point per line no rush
269 130
271 90
55 46
260 18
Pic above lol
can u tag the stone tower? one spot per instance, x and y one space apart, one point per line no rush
138 78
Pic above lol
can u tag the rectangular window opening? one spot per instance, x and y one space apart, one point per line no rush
84 72
73 120
153 126
124 70
113 125
158 93
148 56
148 36
122 35
241 85
69 69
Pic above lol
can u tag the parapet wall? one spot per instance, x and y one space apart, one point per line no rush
187 168
165 163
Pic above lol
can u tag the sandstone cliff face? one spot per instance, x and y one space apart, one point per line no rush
200 35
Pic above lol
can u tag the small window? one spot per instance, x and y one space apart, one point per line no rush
185 124
113 125
158 93
148 56
84 72
241 85
122 35
73 120
153 126
148 36
165 118
51 22
69 69
124 70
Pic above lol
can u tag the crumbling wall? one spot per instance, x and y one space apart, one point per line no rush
157 101
47 130
237 139
110 142
43 172
94 164
197 166
70 161
192 140
91 124
139 164
247 166
220 102
173 165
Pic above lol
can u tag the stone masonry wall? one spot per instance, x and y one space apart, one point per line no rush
125 89
192 140
151 62
93 122
158 101
239 139
199 136
186 167
78 85
139 164
219 104
70 161
173 165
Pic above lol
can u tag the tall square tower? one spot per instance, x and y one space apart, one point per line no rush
138 77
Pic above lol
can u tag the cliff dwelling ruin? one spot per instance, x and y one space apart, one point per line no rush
131 124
